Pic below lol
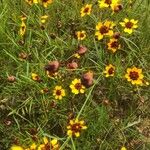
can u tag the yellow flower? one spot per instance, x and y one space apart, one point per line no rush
16 147
30 2
77 87
86 10
109 70
134 75
45 90
104 29
123 148
113 45
22 28
52 144
116 7
107 3
33 146
75 126
76 55
59 92
46 2
52 74
23 18
44 18
129 25
81 35
35 77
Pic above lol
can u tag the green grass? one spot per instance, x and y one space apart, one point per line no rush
123 121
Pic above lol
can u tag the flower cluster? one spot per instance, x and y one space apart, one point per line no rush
45 3
46 145
75 127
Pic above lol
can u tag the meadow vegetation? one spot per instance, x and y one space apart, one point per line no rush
74 75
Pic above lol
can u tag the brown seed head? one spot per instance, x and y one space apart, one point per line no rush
52 66
87 79
82 50
72 65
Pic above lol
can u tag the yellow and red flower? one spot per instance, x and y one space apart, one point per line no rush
43 19
81 35
123 148
45 3
15 147
59 92
30 2
104 29
107 3
22 28
77 87
32 147
134 75
75 127
86 10
44 90
109 70
116 7
49 145
113 45
35 77
129 25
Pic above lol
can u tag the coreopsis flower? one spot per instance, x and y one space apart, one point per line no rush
116 7
23 18
45 3
123 148
43 19
104 29
129 25
59 92
15 147
107 3
30 2
22 28
35 77
86 10
45 90
113 45
109 70
32 147
134 75
49 145
81 35
76 55
77 87
75 127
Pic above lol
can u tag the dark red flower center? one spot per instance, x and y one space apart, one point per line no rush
115 44
81 35
111 70
129 25
78 86
76 127
104 30
45 1
86 10
47 147
58 92
108 2
134 75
